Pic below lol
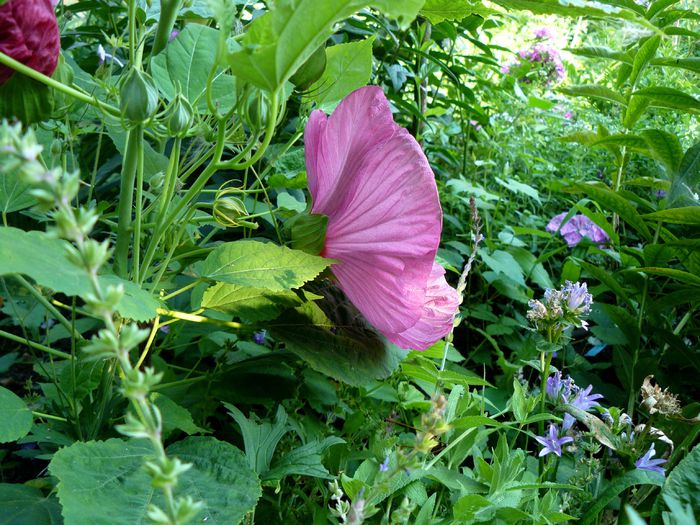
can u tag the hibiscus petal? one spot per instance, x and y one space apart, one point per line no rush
439 308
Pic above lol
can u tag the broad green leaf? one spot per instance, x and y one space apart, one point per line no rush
658 6
53 270
348 67
437 11
519 187
25 505
533 270
303 461
665 97
685 215
682 484
503 262
627 140
605 9
646 52
615 487
635 109
104 482
15 418
262 265
616 203
251 304
664 147
14 194
334 339
594 91
605 277
25 99
277 43
186 64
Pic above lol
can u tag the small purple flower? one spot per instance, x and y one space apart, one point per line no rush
660 194
559 388
568 115
475 124
544 33
384 466
584 400
578 300
173 35
653 465
165 329
552 442
259 337
576 228
505 69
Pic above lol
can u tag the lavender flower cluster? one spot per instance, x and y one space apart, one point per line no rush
576 229
561 308
541 64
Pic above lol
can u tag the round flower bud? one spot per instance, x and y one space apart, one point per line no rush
29 35
139 97
310 71
179 116
229 211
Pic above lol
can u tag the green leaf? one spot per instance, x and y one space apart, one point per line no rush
260 440
25 99
303 461
646 52
664 147
104 482
15 418
437 11
186 64
332 336
665 97
14 194
635 109
615 487
262 265
519 187
685 215
251 304
682 484
25 505
348 67
605 9
691 64
20 249
503 262
616 203
175 417
594 91
678 275
686 181
605 277
601 52
277 43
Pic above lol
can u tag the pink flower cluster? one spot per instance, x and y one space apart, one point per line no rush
29 34
576 228
541 64
372 180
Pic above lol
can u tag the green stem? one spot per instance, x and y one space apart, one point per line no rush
126 199
48 81
166 22
36 346
49 416
139 208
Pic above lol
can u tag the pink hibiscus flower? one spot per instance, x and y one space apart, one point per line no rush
372 180
29 34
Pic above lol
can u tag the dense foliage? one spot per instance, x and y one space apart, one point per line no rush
181 345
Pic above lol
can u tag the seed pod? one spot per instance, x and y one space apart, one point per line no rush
139 97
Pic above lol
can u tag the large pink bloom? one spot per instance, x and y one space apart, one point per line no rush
370 177
29 34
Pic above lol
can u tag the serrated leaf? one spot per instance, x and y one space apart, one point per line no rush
25 505
665 97
685 215
104 482
682 484
262 265
594 91
348 67
175 417
186 63
14 194
437 11
53 270
251 304
15 418
646 52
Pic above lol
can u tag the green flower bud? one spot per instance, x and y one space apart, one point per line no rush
310 71
308 232
230 211
255 110
139 97
179 116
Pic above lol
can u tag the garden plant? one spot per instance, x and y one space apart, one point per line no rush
349 261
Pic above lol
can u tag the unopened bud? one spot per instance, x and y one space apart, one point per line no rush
179 116
139 97
230 212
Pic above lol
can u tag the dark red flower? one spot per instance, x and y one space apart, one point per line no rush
29 34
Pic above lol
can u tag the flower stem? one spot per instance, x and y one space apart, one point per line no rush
166 22
126 199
